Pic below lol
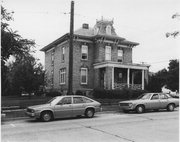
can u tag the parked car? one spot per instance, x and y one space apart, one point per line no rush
150 101
64 106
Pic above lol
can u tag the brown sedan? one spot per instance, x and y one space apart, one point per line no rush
64 106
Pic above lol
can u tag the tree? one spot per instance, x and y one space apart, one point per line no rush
169 77
173 75
26 75
11 44
175 33
157 81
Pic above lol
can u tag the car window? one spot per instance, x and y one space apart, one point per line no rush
78 100
66 100
144 96
163 96
86 100
155 97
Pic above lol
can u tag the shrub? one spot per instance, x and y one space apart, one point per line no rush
126 93
53 94
78 92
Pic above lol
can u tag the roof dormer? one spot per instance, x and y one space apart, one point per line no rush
108 29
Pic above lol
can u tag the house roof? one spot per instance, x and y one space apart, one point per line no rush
99 31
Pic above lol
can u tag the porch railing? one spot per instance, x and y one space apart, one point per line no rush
125 85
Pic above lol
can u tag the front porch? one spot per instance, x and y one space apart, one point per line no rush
113 75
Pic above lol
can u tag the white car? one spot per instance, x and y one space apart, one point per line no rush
150 101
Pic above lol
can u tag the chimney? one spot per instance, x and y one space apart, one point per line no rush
85 26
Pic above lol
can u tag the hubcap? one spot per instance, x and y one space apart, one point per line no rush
171 107
47 117
140 109
90 113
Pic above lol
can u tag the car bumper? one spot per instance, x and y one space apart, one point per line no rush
126 107
33 115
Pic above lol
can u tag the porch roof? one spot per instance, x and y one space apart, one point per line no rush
121 65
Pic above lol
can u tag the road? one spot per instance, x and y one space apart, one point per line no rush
160 126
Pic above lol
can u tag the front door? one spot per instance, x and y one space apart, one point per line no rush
154 102
163 101
63 108
78 106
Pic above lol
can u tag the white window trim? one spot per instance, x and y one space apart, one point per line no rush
52 58
120 57
86 76
62 72
106 53
63 53
82 53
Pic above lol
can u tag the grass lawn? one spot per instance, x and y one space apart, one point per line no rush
23 102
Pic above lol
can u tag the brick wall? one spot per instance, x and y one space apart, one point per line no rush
78 63
48 68
100 53
96 53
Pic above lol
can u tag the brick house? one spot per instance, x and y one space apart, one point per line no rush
101 59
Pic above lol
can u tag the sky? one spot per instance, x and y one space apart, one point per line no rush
142 21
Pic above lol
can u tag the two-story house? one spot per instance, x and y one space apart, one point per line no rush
101 59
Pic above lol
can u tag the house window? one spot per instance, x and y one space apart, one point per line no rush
84 75
62 75
63 54
108 53
120 55
52 58
108 29
84 52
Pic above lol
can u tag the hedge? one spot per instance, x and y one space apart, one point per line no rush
99 93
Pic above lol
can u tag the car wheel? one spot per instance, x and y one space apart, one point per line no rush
89 113
140 109
170 107
46 116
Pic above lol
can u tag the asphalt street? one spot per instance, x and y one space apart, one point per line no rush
160 126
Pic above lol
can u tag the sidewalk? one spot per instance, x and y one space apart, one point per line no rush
18 114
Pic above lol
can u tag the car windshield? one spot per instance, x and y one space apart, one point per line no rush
144 96
51 100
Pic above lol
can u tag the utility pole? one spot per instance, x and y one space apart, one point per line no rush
70 81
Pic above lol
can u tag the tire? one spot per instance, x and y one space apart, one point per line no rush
89 113
170 107
46 116
140 109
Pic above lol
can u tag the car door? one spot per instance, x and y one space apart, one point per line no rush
163 101
78 106
154 102
64 108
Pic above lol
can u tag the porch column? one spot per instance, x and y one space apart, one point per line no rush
128 77
132 78
142 79
112 77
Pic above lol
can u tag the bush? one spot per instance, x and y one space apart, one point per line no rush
53 94
78 92
126 94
